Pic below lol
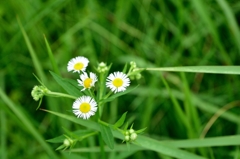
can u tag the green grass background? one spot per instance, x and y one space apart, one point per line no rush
153 33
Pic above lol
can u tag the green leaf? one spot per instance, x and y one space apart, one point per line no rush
140 130
201 69
165 148
120 121
125 127
36 62
125 68
39 80
39 104
107 135
75 134
61 147
111 98
67 84
27 123
231 21
233 140
51 57
145 142
117 148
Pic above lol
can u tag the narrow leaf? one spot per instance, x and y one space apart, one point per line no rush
36 62
68 85
120 121
51 57
39 80
233 140
75 134
165 148
145 142
27 123
111 98
125 127
107 135
39 104
201 69
140 130
125 68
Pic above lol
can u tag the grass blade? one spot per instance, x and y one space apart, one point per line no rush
28 124
51 57
204 14
232 23
36 62
201 69
207 142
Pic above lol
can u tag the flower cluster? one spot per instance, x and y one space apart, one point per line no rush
130 135
86 106
38 92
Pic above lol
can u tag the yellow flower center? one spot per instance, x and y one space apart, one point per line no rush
87 83
117 82
85 107
78 66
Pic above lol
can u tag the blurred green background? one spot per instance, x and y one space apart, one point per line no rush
153 33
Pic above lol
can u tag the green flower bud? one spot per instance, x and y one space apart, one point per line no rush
67 142
126 133
127 138
102 67
38 92
131 131
133 136
133 64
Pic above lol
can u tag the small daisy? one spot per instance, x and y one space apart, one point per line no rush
87 82
84 107
117 82
77 64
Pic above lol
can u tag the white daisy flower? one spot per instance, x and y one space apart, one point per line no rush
87 82
117 82
77 64
84 107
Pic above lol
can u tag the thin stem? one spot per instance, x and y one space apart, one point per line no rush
90 134
109 125
101 92
109 93
103 155
57 94
102 122
91 94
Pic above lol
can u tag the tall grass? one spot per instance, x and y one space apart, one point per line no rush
155 34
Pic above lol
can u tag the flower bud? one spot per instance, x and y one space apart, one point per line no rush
131 131
127 138
133 64
102 67
38 92
67 142
133 136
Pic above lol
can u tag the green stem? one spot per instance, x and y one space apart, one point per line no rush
109 93
57 94
103 155
101 92
91 94
90 134
103 123
109 125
